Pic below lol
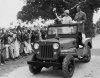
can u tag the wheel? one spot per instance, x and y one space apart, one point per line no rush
34 69
68 66
87 57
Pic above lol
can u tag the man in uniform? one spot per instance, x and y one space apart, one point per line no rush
80 18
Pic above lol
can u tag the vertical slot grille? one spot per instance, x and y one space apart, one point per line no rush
46 51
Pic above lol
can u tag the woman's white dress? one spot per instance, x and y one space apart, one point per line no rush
27 48
16 49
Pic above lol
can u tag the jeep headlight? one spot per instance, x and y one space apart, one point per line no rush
55 45
36 46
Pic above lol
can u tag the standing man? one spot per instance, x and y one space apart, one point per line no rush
2 49
6 45
11 46
81 19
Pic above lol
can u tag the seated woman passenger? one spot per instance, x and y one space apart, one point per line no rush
66 19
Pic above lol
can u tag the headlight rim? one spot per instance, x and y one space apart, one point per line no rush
57 46
35 44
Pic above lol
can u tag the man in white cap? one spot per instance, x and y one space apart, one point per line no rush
66 19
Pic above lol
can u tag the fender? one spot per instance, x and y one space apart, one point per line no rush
87 41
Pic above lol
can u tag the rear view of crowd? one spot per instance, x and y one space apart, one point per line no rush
16 42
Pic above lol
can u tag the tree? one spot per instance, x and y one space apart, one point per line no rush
98 23
44 8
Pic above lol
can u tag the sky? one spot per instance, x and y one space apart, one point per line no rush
10 8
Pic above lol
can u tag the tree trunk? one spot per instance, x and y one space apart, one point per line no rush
89 30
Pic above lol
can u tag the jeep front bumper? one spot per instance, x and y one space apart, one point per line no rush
43 64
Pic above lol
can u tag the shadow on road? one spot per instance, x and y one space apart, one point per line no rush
96 52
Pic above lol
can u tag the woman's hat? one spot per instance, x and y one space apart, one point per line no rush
66 11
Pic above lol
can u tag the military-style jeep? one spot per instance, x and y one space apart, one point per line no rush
59 49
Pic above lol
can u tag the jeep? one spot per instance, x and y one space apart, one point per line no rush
60 49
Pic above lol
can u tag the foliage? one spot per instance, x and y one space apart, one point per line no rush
97 27
44 8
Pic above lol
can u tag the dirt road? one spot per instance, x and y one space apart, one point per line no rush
82 70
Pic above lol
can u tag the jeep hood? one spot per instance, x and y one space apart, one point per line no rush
61 40
65 43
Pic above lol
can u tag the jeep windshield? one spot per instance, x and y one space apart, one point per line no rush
62 30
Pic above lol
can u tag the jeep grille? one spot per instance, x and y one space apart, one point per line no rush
46 51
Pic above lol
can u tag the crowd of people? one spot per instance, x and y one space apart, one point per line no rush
16 42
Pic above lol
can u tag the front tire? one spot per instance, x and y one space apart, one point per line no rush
68 66
87 57
34 69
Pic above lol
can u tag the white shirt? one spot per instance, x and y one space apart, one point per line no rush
66 20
